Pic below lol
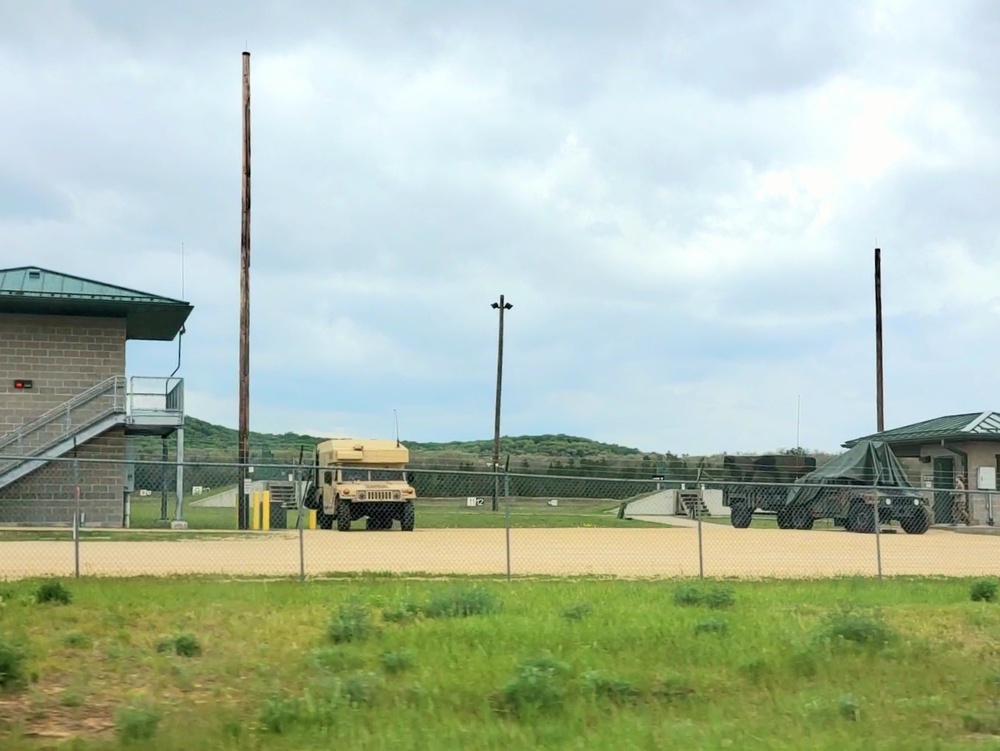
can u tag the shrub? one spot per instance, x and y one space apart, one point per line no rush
12 659
538 686
53 591
183 645
984 590
849 708
396 662
615 689
716 598
857 628
462 603
136 722
402 613
577 611
350 624
361 688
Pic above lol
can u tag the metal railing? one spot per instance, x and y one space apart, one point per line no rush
84 409
155 395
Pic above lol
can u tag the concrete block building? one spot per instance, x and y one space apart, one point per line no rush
64 393
965 445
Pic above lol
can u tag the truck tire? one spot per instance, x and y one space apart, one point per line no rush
917 524
407 517
862 518
802 518
324 520
343 516
785 520
741 515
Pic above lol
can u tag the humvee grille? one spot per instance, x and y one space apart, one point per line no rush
379 495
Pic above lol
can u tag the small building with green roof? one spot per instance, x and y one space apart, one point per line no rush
965 445
64 395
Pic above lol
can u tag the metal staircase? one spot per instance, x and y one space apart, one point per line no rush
86 416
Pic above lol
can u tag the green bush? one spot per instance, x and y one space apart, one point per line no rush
396 662
12 666
716 598
136 722
616 690
462 603
863 629
538 686
351 624
53 591
183 645
711 626
984 590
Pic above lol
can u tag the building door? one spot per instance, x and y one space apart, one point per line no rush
944 478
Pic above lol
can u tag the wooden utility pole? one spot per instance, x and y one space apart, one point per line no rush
501 306
880 405
244 432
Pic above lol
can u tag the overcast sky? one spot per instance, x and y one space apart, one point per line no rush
680 200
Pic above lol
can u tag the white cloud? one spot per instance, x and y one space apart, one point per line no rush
680 203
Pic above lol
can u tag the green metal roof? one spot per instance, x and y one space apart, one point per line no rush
969 426
37 291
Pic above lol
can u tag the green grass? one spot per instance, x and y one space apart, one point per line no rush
431 514
475 663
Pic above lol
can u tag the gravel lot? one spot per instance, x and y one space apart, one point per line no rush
627 552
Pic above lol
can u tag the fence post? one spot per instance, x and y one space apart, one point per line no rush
878 535
506 501
302 544
701 549
76 513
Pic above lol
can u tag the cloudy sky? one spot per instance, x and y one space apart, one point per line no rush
680 199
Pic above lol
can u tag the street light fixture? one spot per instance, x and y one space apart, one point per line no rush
500 306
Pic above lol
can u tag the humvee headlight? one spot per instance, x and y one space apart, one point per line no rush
888 501
362 495
396 495
916 501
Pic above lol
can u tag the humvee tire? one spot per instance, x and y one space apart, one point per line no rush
407 516
343 515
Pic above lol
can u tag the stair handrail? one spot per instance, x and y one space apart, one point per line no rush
116 383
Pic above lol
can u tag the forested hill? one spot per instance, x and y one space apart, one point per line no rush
555 454
204 440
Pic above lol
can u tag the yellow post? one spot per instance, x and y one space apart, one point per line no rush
312 519
265 506
255 510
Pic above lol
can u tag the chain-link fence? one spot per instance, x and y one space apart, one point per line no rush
89 516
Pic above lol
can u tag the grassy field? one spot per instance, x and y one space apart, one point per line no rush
387 663
431 514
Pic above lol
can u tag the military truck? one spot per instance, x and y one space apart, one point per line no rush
847 490
361 479
761 475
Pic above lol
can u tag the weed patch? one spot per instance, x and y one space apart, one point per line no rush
12 662
76 640
856 627
717 598
577 611
462 602
711 626
983 590
352 623
53 592
538 686
136 722
182 645
396 662
616 690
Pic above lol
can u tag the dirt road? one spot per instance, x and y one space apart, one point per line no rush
622 552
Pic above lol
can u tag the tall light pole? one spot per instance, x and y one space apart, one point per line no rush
501 306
